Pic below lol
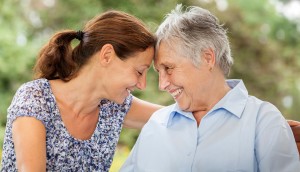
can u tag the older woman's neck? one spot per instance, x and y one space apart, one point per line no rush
219 88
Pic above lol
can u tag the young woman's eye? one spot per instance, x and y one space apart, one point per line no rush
140 73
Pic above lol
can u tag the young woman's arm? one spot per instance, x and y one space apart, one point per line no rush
139 113
295 125
29 136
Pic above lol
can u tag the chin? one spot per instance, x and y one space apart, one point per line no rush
184 105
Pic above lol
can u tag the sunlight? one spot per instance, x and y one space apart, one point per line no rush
290 10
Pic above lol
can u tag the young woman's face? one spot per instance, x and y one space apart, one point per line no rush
126 75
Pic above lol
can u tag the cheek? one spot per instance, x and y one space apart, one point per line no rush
180 80
130 79
189 85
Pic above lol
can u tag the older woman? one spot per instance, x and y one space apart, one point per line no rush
214 124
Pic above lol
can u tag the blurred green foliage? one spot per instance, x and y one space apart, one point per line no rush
120 156
265 44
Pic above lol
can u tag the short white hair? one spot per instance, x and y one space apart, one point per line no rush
193 31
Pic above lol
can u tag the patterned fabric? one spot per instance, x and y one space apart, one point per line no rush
64 152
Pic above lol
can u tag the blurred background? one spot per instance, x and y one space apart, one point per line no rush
264 36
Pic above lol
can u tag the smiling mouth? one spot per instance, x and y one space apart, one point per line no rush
176 93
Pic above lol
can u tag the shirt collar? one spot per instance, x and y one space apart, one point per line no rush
175 110
234 102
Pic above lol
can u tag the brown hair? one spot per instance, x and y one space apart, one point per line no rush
124 32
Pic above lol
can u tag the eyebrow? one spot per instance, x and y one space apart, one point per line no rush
146 65
162 63
165 64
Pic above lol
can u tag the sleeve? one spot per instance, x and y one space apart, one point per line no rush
276 149
120 109
127 104
28 101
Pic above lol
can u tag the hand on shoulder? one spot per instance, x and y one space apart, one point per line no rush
295 126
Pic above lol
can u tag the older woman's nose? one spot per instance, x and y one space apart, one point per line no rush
163 82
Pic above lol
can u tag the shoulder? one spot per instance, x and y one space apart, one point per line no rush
30 100
267 114
30 93
108 104
156 124
162 114
118 111
261 105
32 88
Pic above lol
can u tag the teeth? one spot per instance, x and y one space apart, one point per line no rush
176 93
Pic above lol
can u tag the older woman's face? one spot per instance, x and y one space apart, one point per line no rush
181 78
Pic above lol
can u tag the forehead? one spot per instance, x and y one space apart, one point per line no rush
142 58
166 54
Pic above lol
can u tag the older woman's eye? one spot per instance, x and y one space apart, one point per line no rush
168 70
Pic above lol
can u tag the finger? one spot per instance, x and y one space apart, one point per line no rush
293 123
296 132
298 146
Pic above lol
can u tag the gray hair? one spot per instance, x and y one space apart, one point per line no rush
194 31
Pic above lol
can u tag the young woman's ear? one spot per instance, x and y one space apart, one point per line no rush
106 54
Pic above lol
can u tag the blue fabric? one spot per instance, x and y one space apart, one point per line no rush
64 152
240 133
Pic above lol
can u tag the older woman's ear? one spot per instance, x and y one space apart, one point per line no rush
295 126
209 58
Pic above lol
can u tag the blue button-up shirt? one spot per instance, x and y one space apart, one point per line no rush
240 133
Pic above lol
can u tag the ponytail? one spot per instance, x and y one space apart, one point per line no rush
55 58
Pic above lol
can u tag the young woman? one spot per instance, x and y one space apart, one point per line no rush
70 117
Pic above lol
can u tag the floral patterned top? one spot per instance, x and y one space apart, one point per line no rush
64 152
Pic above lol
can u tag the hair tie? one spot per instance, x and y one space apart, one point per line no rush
79 35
